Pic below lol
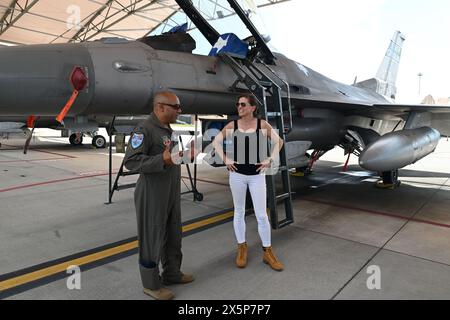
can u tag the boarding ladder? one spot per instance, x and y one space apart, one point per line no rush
122 173
259 83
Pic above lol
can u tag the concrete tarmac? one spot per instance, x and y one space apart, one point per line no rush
52 210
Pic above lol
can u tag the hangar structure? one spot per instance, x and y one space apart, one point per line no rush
25 22
29 22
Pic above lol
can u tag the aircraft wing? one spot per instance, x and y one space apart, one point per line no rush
436 116
406 108
354 106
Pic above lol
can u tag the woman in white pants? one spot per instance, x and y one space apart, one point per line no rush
247 170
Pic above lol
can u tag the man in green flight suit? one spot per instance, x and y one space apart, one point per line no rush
157 198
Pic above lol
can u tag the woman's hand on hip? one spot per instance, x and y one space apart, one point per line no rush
265 164
231 165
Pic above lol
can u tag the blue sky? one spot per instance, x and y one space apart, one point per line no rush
347 38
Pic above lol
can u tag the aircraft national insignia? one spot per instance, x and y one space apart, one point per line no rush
136 140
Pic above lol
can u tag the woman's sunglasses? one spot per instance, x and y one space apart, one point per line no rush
242 104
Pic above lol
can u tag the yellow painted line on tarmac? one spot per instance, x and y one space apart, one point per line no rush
62 267
202 223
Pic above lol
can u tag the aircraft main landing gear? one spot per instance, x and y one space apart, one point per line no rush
76 139
390 180
301 172
99 142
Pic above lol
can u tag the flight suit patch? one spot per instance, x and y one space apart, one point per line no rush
166 141
136 140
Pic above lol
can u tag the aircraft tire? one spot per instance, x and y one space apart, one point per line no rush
198 196
99 142
73 140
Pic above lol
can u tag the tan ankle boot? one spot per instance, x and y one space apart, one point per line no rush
241 259
160 294
271 260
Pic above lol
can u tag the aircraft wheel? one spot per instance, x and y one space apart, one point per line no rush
198 196
99 142
301 172
76 140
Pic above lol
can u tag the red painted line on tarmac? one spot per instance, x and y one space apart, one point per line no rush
99 172
12 148
378 213
209 181
43 151
55 153
52 182
81 176
34 160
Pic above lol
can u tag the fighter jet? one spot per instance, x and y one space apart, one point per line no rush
114 76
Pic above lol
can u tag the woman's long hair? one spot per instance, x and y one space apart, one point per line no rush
253 102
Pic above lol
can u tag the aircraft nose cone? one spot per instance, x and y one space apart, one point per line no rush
40 79
34 79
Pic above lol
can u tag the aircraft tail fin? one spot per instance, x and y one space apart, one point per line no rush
386 77
387 73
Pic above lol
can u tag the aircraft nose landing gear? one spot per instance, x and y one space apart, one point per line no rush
99 142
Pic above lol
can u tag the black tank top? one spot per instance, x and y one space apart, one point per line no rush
249 166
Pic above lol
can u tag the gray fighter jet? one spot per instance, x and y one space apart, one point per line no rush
113 76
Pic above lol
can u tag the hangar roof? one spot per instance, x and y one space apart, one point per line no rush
61 21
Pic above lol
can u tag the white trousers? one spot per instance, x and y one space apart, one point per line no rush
257 185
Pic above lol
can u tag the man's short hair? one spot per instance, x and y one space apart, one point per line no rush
157 95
